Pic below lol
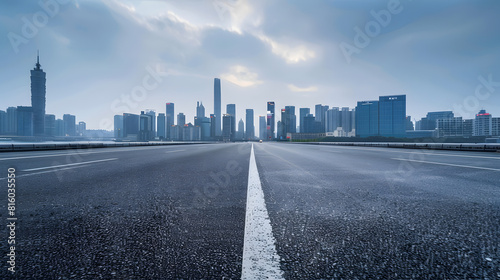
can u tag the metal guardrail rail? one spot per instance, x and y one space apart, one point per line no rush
482 147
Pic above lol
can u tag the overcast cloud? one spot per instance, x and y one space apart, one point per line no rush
98 54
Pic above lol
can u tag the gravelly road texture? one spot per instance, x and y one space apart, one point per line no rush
179 212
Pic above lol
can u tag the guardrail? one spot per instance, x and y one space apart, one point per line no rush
11 147
483 147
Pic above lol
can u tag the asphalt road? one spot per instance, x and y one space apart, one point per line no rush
178 212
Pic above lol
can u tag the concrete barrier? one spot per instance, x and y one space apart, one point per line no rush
481 147
14 147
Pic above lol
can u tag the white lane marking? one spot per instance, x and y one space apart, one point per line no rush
47 171
66 165
174 151
448 164
420 153
76 151
260 259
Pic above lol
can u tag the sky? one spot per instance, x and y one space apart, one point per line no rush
107 57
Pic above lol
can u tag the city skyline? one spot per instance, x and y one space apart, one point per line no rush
83 72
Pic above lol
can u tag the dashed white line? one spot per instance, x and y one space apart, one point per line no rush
448 164
260 259
66 165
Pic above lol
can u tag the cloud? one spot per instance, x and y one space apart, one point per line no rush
241 76
290 54
295 88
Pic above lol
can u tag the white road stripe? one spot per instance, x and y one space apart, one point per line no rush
413 152
448 164
174 151
260 259
80 152
66 165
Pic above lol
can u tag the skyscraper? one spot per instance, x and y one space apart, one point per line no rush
231 110
250 127
160 126
200 110
482 124
181 119
270 120
227 129
217 107
11 121
392 116
320 111
367 118
303 112
38 98
170 115
25 121
131 124
288 119
385 117
50 125
152 113
118 126
3 122
69 125
262 128
241 130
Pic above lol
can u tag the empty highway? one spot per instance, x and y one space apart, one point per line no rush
227 211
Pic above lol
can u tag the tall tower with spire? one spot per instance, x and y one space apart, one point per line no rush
38 98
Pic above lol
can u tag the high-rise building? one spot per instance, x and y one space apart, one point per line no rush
25 121
3 122
409 124
170 116
50 125
450 127
11 121
241 130
59 127
430 121
270 120
482 125
38 98
131 125
347 119
152 113
81 128
213 126
206 128
320 114
69 125
118 126
227 127
385 117
303 112
495 126
160 126
392 116
262 128
217 107
288 120
250 127
146 125
181 119
367 118
468 128
333 119
200 110
231 110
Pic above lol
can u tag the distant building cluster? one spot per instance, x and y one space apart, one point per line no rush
32 121
385 117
